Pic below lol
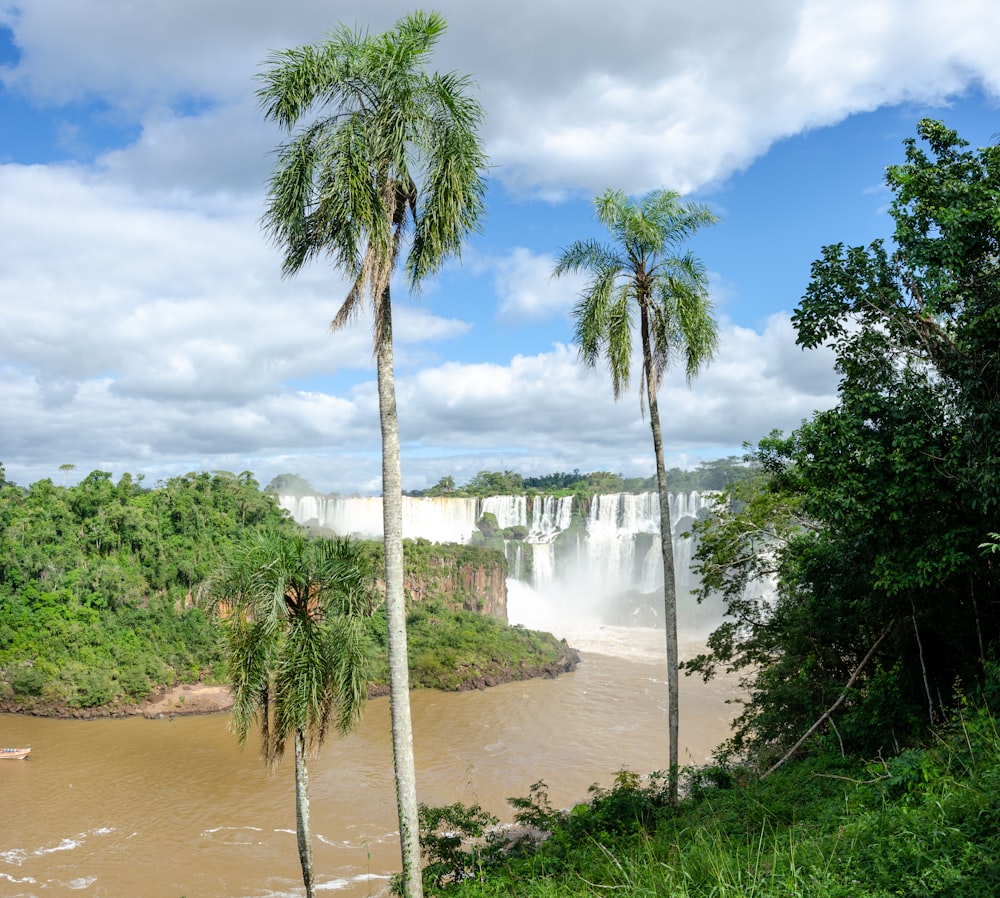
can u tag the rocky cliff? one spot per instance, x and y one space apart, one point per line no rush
457 577
473 586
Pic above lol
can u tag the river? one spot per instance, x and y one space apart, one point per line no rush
136 808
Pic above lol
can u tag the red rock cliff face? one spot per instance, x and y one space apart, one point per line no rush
458 577
481 588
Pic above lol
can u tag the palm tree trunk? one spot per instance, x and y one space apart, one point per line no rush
395 609
302 828
669 579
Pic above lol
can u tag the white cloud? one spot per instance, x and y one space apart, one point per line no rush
676 93
137 331
523 281
547 412
537 414
220 150
145 326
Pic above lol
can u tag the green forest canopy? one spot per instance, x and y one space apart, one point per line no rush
878 517
708 475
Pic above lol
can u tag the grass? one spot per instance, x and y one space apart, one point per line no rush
923 824
450 649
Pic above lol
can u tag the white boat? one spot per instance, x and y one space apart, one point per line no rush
14 754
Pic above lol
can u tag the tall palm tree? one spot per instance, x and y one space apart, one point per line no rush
296 649
392 157
644 270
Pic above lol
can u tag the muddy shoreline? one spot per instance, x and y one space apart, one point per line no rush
200 698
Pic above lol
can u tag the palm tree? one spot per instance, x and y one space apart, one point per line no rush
392 156
296 649
643 271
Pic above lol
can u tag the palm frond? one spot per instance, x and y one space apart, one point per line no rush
393 151
618 341
588 255
296 651
452 203
591 315
641 270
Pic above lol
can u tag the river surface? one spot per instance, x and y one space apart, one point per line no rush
137 808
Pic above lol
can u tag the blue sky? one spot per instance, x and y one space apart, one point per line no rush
146 328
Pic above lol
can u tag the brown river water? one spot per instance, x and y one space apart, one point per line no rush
136 808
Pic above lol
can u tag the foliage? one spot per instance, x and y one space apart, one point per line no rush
488 525
290 485
455 649
455 576
495 483
707 476
446 836
98 615
101 584
643 266
293 611
873 515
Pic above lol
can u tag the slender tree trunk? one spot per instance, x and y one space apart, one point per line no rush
669 578
395 608
302 827
923 665
829 711
979 629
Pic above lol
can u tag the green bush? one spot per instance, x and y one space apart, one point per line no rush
450 840
26 680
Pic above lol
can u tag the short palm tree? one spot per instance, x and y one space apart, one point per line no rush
644 272
293 620
392 158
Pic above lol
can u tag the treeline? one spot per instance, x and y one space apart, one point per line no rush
707 476
878 519
100 582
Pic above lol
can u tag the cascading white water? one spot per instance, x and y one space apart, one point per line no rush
615 549
436 519
621 530
510 511
602 566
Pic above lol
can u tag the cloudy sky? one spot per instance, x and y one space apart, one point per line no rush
144 325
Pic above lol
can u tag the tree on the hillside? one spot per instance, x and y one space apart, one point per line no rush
444 487
496 483
645 271
293 618
893 491
392 153
290 485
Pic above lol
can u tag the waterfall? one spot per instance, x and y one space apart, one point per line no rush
438 520
510 511
613 549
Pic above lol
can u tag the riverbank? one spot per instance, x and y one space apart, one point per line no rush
181 699
185 699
